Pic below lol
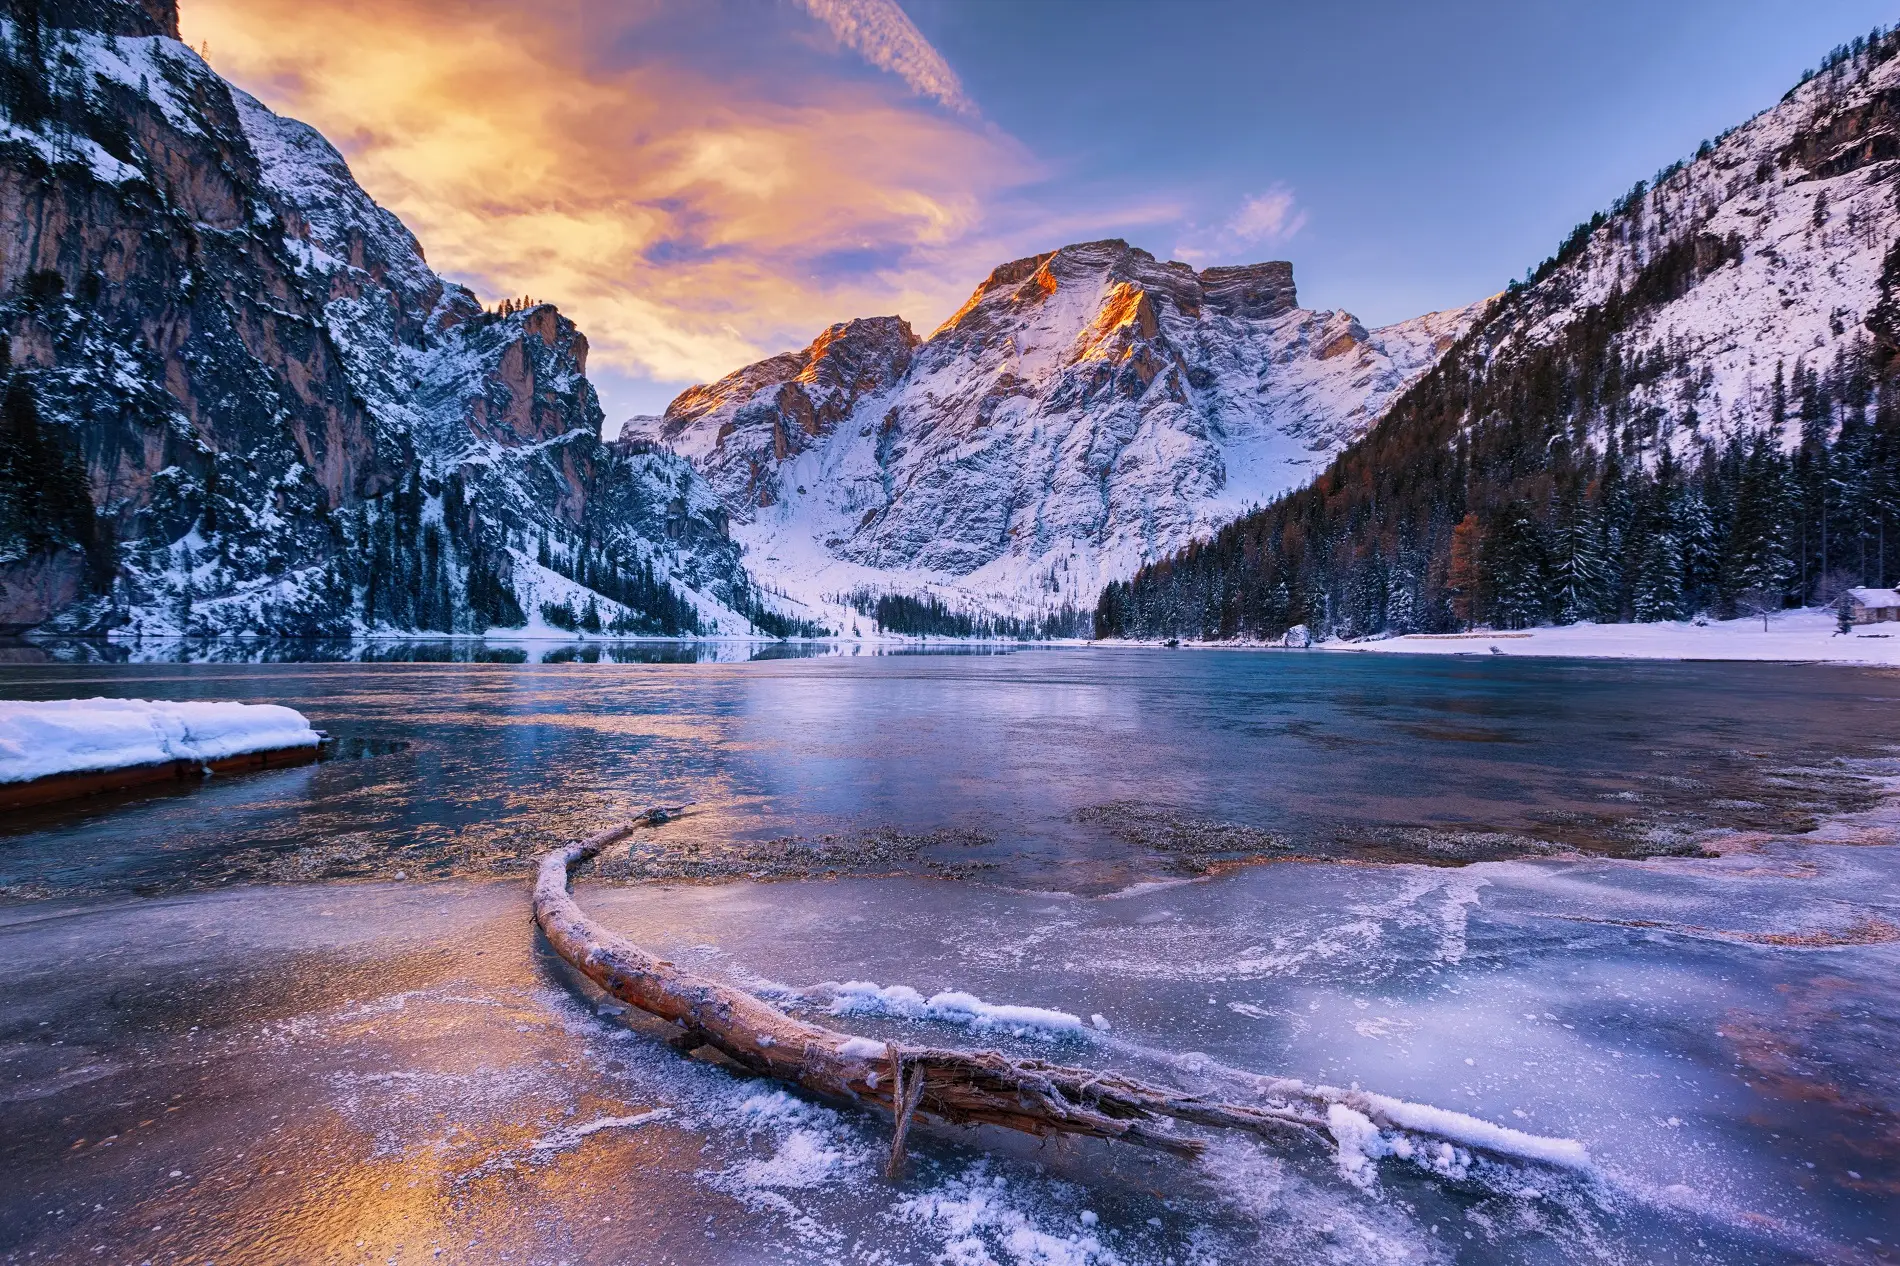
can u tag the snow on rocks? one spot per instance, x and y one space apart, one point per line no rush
1086 411
68 736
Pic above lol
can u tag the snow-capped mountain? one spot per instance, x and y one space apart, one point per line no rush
1086 411
1765 250
1694 405
239 399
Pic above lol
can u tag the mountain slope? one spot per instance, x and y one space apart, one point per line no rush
256 406
1690 407
1085 411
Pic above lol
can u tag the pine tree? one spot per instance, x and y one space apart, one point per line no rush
1517 562
1465 577
1756 553
1577 567
1657 594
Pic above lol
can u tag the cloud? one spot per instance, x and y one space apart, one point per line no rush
692 210
884 36
1269 217
1263 221
691 181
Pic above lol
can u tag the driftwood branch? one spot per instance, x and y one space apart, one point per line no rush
959 1087
906 1097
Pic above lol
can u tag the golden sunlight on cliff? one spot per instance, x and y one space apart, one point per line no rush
688 222
1125 307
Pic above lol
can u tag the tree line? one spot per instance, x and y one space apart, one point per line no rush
930 616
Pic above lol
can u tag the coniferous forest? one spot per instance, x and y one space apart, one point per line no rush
1524 482
1427 527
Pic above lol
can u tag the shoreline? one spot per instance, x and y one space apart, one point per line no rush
1793 637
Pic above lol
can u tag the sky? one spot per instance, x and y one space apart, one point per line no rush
702 183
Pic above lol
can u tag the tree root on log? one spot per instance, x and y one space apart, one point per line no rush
958 1087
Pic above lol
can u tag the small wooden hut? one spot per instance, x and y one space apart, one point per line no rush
1873 606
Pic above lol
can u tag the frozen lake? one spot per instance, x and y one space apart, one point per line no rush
303 1015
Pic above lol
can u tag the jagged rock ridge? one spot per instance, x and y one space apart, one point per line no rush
1087 410
279 418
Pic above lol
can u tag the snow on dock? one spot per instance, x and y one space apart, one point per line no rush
67 739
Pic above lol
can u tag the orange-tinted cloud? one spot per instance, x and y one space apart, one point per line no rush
692 211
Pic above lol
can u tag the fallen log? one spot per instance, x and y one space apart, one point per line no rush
964 1087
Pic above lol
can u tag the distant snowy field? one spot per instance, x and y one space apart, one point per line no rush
70 736
1791 635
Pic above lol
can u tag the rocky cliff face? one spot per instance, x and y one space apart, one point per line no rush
280 419
1085 411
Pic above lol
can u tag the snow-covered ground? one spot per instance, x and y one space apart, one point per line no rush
71 736
1791 635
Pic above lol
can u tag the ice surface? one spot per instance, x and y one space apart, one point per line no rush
79 735
1705 1029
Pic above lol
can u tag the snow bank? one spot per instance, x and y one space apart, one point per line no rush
862 997
69 736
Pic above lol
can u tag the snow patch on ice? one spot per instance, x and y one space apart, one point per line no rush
569 1136
983 1226
65 736
1357 1144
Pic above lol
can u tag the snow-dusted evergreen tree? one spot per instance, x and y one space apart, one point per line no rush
1758 559
1517 562
1657 593
1656 590
1616 513
1577 569
1401 598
